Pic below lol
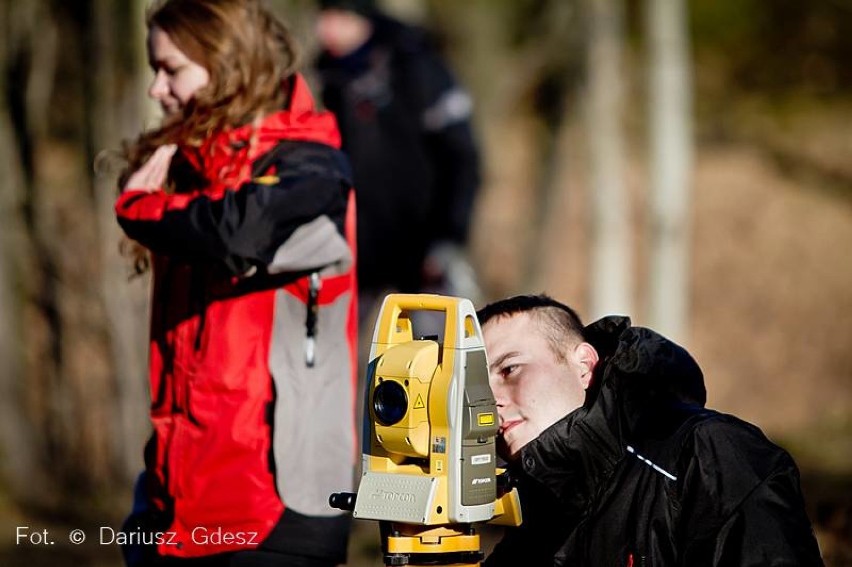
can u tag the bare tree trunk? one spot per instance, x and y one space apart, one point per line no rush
496 78
117 88
611 256
556 54
16 431
670 108
42 404
60 428
520 149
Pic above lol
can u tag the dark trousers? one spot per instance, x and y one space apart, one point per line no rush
295 541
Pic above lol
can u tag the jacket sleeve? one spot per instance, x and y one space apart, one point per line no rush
544 528
742 503
445 116
293 222
517 549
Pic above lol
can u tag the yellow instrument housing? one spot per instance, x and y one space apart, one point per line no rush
430 462
406 364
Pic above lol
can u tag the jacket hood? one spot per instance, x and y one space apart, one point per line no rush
226 156
643 370
643 387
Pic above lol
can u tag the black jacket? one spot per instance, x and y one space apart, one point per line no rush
643 475
406 127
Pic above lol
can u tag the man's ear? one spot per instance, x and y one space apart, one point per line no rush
588 358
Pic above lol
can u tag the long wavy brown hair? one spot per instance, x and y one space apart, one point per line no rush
249 55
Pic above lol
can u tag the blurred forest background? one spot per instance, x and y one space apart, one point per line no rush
572 115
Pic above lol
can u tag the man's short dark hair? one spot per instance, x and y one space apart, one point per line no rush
560 323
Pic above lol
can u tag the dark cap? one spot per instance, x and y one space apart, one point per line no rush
363 7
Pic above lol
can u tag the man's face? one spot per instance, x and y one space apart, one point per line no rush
534 388
341 32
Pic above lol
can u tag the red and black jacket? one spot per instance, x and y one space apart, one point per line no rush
253 332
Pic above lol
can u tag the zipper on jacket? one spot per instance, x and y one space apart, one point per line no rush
314 285
198 301
198 298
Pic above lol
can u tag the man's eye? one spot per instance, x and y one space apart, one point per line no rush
509 370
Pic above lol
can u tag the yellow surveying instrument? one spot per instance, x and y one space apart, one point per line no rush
430 425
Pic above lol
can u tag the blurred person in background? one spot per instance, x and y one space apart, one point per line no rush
242 203
616 458
406 127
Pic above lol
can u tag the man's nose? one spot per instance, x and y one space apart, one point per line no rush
499 395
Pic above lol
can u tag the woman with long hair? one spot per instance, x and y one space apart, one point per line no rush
241 203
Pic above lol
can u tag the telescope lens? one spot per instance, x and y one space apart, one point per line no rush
390 402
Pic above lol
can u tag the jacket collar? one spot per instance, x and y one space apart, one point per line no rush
225 157
637 387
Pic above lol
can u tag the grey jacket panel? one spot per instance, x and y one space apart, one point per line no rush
313 245
313 440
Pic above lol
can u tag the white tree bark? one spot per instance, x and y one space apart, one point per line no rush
611 264
670 112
